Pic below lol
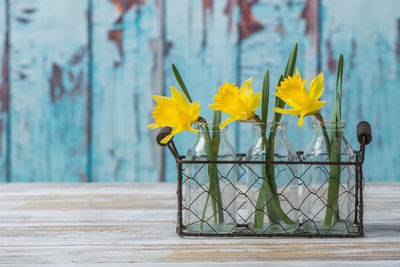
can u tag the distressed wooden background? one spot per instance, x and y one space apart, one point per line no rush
77 77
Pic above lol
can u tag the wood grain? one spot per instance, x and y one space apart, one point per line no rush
48 73
120 224
125 74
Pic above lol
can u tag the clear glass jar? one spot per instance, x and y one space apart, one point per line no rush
328 190
272 189
209 203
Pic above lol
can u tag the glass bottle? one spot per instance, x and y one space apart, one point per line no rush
328 190
272 189
209 203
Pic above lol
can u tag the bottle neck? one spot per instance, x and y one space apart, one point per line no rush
269 128
212 130
329 128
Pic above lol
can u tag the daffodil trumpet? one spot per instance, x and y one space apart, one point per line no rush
175 112
239 103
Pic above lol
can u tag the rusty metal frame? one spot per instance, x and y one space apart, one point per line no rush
242 230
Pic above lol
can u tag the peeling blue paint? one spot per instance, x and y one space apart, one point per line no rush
77 79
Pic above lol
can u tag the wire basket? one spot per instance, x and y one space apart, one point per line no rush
354 228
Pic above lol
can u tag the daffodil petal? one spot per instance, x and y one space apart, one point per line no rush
179 98
194 111
190 129
246 90
300 121
293 112
226 97
255 101
227 121
318 105
317 86
164 112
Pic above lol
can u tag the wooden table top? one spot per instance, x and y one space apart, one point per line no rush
121 224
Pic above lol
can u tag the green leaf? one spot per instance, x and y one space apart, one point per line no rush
341 86
337 106
278 104
265 98
289 70
291 63
181 83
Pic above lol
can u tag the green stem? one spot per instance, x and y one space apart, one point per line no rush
334 173
268 192
214 189
203 214
334 182
324 132
212 144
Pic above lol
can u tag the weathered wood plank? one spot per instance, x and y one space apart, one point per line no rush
4 92
127 46
48 73
368 34
117 224
269 29
202 42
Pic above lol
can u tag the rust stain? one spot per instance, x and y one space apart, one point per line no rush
278 28
57 89
23 20
207 7
4 87
249 24
331 60
29 10
124 5
78 56
398 40
230 4
111 152
170 45
310 14
116 35
78 84
22 75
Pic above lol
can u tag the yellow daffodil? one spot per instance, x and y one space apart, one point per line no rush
176 112
239 103
294 93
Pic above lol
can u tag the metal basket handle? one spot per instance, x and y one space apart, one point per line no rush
163 133
170 144
364 130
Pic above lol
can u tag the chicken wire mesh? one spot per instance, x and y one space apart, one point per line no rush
297 207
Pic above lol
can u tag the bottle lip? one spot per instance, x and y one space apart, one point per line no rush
329 123
210 125
281 123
